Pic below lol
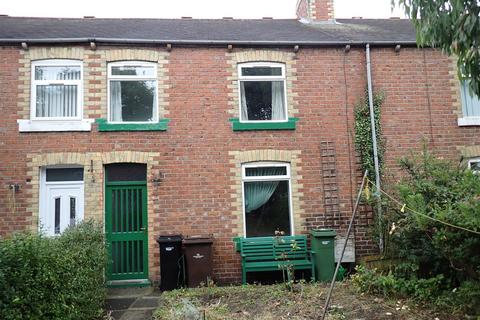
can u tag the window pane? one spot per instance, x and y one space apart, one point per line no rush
267 208
263 100
64 174
56 101
57 73
475 166
141 71
261 71
470 101
266 171
73 209
132 100
126 172
57 216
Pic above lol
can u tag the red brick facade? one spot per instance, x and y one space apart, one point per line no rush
193 155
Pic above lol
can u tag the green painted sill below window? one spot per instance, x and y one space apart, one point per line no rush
246 126
161 125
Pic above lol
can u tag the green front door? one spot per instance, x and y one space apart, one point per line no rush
126 230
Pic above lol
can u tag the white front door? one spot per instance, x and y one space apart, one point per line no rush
61 202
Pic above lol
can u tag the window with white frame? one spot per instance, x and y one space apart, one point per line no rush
266 199
133 90
262 90
61 198
470 101
474 165
56 90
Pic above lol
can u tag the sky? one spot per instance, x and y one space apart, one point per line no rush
279 9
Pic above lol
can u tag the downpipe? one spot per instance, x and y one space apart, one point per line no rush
374 146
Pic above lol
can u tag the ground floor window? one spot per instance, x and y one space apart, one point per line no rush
266 199
61 199
474 165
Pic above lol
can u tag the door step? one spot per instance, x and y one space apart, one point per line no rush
129 283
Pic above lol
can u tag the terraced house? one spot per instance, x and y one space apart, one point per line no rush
224 127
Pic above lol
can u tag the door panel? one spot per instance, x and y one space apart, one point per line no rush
64 206
126 227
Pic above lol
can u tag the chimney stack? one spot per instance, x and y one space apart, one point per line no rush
315 10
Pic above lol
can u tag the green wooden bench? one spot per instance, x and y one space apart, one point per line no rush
273 253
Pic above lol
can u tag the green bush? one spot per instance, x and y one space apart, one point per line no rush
434 291
441 190
436 262
53 278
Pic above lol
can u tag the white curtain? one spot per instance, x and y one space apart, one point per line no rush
56 100
278 102
115 101
243 102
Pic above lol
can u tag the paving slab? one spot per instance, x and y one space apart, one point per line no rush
137 315
146 302
116 315
119 303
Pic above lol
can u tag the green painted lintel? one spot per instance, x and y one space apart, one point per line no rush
247 126
161 125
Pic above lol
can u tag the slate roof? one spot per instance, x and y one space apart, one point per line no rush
206 31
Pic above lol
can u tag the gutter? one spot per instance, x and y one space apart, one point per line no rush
203 42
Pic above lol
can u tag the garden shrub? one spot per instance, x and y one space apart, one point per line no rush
436 262
434 291
439 189
53 277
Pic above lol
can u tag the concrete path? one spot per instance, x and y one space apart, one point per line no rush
132 303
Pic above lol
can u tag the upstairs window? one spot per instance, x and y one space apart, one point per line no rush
470 101
56 90
262 92
266 199
132 92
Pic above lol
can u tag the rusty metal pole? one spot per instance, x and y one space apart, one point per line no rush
332 284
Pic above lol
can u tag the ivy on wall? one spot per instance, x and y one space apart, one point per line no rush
363 134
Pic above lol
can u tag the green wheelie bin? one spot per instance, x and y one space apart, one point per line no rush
323 248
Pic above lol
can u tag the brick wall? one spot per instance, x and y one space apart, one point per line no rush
199 155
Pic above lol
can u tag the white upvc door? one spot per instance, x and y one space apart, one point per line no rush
63 206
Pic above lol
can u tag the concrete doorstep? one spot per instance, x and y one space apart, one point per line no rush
132 303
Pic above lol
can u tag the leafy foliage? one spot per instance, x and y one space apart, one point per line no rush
434 259
453 26
433 290
363 133
53 278
446 192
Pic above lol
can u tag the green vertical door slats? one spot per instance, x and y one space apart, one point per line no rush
138 255
126 227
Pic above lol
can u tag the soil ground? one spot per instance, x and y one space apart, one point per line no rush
268 302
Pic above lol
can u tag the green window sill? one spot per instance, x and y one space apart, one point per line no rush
246 126
161 125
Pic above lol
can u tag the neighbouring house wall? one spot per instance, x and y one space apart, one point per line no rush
199 156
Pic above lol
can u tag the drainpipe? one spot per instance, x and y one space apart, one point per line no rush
374 145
